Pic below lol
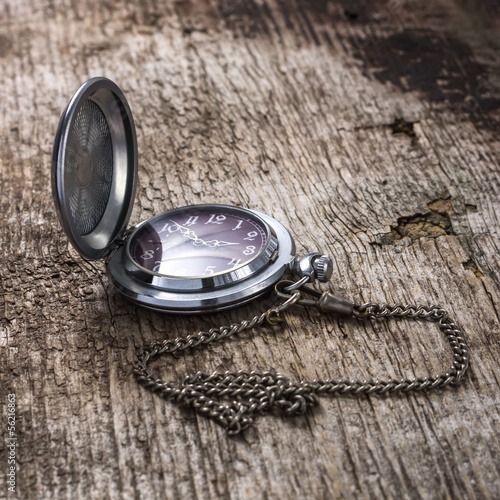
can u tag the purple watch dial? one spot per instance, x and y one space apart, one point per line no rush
199 241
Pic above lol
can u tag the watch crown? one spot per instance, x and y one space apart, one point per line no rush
323 268
314 265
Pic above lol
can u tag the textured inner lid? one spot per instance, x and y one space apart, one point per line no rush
88 167
94 167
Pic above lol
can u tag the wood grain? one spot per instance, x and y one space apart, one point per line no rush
370 129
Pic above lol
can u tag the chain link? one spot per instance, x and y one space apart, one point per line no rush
233 399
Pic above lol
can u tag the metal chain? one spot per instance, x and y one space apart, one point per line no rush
233 399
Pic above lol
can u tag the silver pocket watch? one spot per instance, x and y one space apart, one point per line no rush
187 260
204 258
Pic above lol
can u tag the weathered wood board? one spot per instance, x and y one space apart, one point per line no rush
370 129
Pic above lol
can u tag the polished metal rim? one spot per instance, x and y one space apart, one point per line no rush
209 297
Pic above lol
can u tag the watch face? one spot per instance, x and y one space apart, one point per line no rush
199 241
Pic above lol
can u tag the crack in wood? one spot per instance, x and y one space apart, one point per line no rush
432 224
401 126
471 265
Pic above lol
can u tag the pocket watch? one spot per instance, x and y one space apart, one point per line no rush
203 258
186 260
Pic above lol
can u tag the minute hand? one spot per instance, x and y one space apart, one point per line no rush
217 243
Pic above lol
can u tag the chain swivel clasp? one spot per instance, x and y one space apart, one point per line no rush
326 302
312 267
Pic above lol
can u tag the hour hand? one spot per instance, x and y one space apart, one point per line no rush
188 233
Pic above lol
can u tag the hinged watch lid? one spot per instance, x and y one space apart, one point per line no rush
94 167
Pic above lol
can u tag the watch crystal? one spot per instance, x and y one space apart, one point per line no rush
199 241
